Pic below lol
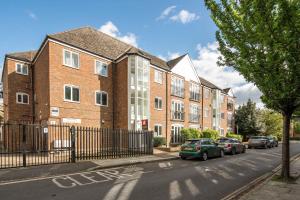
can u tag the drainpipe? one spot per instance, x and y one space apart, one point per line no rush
33 93
113 93
167 103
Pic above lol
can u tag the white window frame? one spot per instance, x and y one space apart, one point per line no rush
177 86
158 74
22 65
206 93
71 55
178 106
72 86
195 111
96 72
23 94
100 91
156 133
194 90
160 99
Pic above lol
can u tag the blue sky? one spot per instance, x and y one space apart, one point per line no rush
163 28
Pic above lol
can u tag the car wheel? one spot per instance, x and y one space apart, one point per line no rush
183 158
221 153
204 156
233 151
249 147
244 150
266 146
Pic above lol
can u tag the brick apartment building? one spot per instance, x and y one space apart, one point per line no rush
85 77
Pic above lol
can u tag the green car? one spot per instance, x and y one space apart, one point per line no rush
203 148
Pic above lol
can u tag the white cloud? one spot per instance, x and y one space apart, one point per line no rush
31 15
112 30
166 12
206 64
184 17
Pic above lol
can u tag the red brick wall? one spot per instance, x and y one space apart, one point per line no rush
13 83
121 95
88 82
207 103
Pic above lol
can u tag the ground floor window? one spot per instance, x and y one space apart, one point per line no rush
157 130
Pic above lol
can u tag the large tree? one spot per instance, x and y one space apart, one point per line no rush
246 119
261 40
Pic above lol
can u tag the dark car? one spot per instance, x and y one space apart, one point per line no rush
259 142
231 145
273 141
203 148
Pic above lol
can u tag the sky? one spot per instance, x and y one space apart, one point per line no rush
166 29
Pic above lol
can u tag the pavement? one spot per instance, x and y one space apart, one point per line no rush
273 189
42 171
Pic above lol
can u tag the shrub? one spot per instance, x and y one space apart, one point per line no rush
159 141
236 136
189 133
209 133
295 138
297 127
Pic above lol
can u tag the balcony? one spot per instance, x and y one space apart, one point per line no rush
177 91
194 118
177 115
194 96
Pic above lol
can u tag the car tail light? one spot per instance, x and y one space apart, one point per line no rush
228 145
198 148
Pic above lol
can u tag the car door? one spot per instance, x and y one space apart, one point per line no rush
213 148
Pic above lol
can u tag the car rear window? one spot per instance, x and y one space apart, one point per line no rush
258 137
223 140
191 141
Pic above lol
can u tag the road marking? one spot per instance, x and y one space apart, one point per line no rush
65 178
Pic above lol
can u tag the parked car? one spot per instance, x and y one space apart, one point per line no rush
231 145
203 148
273 141
259 142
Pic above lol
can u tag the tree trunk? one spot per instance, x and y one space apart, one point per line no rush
285 171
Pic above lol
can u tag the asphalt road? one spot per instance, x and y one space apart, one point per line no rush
178 179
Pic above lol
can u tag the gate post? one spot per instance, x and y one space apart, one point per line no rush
24 144
73 155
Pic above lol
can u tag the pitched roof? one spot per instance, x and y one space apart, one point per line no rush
226 90
95 41
208 84
172 63
26 56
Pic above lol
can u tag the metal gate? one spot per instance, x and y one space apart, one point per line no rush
24 145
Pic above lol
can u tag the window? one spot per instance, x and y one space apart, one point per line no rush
71 93
206 93
101 98
158 76
157 130
21 69
177 86
176 134
101 68
223 115
22 98
222 132
194 92
177 110
206 112
158 103
222 98
194 113
71 59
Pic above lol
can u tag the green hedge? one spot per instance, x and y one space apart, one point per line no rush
209 133
189 133
236 136
159 141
